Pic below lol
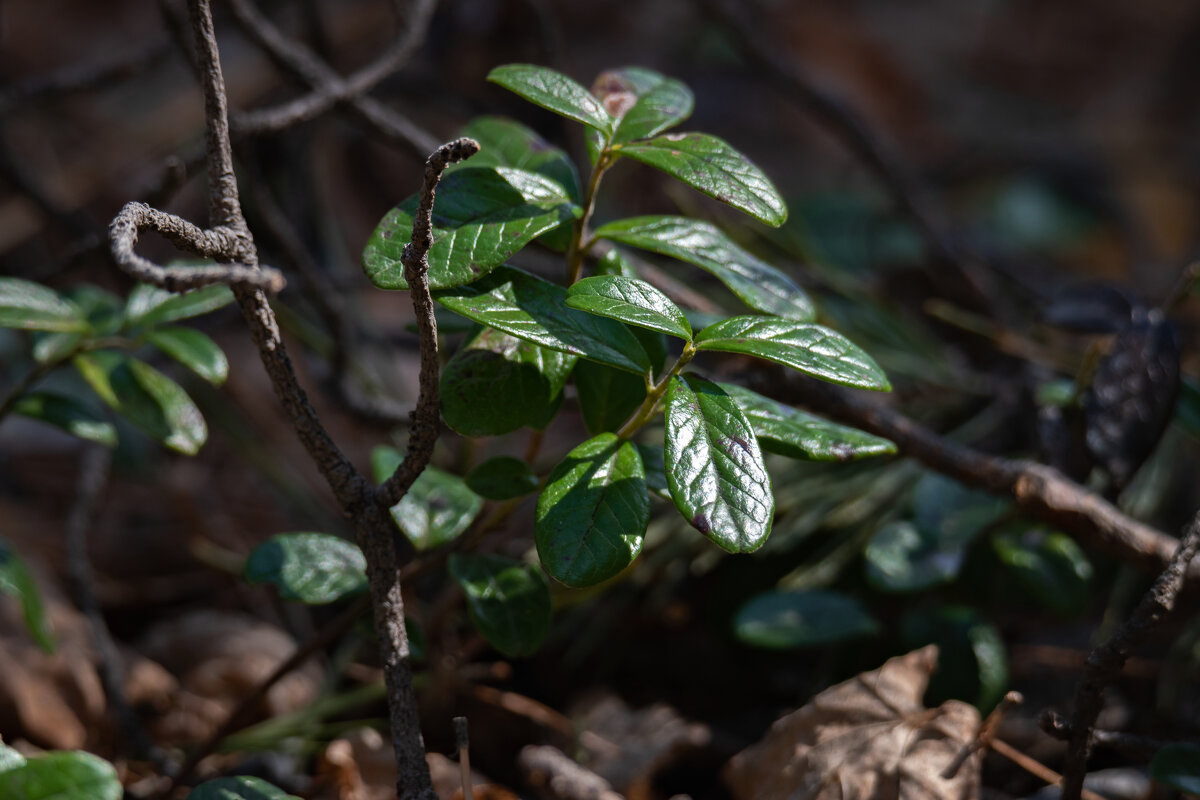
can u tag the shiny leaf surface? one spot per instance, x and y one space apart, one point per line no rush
758 284
555 92
437 507
710 165
797 434
532 309
194 350
812 349
482 216
593 512
313 568
30 306
148 305
643 102
62 775
629 300
507 143
715 470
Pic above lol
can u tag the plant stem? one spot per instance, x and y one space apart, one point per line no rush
650 405
578 249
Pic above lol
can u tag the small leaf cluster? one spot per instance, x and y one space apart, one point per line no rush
98 334
620 341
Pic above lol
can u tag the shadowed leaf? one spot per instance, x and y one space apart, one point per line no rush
314 568
509 602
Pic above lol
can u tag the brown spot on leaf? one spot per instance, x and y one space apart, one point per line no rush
701 523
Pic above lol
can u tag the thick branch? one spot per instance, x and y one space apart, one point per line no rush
423 431
219 244
1107 660
329 88
1043 493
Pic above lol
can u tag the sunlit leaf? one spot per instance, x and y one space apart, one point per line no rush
482 216
194 350
714 468
147 398
506 143
759 285
812 349
798 434
314 568
643 102
709 164
62 775
553 91
533 309
593 512
437 507
148 305
629 300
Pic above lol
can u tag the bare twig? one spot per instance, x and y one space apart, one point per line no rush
985 735
1034 767
551 770
329 88
1135 744
462 743
1106 661
93 474
423 431
1041 492
218 243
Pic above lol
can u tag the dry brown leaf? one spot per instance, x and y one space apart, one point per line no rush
869 738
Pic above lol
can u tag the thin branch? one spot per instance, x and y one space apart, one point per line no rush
423 432
94 468
1106 661
219 243
329 88
1041 492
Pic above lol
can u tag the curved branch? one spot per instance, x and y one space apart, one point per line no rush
218 243
1042 492
329 88
423 431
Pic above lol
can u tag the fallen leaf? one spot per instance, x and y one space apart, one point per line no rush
869 738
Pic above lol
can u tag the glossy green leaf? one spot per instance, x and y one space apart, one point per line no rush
972 661
643 102
629 300
239 787
593 512
715 470
194 350
62 775
1177 766
1048 566
798 434
789 620
437 507
555 92
535 310
148 305
482 216
758 284
16 580
9 758
30 306
502 478
314 568
145 397
522 383
709 164
509 602
68 414
607 396
812 349
506 143
51 347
